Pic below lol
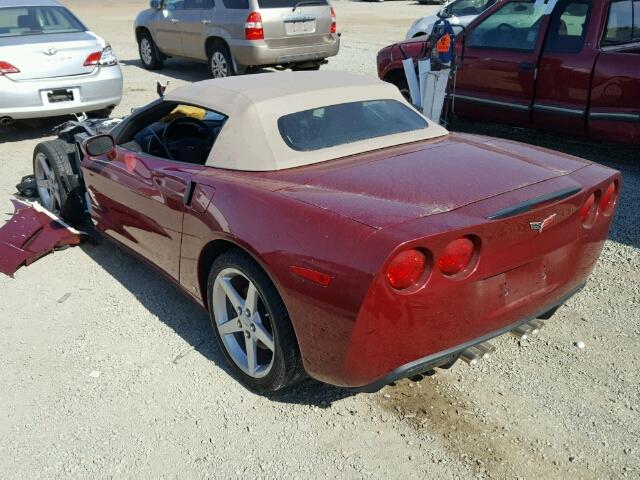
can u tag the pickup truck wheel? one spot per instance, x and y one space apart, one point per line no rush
251 325
150 56
220 61
59 186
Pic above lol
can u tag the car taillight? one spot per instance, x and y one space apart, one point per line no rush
589 210
608 200
6 68
457 256
406 269
334 25
93 59
104 58
253 27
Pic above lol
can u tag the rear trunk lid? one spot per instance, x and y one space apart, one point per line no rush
397 185
49 56
290 23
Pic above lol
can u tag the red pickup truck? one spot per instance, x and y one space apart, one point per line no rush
571 66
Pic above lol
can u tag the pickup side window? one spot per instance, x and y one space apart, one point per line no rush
568 26
516 26
620 23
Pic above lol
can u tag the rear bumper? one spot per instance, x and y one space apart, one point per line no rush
258 53
28 99
452 354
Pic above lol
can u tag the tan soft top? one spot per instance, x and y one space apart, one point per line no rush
251 140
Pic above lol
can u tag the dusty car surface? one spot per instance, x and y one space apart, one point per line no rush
51 64
233 35
458 12
569 66
331 230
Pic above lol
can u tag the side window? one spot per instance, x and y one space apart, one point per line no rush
516 26
198 4
620 23
568 27
236 4
174 5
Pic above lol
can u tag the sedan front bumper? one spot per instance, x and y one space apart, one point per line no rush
31 98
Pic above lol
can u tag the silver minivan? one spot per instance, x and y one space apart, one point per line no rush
234 35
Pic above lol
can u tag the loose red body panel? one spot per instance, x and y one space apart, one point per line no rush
347 220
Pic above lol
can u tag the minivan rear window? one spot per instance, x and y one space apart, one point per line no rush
347 123
20 21
290 3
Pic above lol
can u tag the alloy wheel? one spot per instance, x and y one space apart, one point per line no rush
48 187
243 322
146 51
219 66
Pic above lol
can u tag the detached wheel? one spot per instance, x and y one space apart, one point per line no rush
150 56
251 325
59 186
220 61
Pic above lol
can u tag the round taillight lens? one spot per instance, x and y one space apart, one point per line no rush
406 269
588 210
457 256
608 200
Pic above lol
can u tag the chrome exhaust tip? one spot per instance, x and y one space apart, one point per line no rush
469 356
477 352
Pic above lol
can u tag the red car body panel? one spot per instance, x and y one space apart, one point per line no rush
346 218
594 92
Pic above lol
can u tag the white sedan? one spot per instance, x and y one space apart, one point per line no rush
51 64
462 12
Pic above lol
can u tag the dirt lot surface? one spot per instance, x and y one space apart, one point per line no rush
121 378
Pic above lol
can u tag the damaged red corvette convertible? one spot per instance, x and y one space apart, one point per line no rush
331 230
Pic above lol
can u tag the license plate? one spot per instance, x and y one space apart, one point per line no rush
296 28
61 95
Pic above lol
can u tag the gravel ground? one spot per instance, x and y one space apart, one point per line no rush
122 378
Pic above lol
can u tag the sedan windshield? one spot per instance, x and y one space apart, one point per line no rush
20 21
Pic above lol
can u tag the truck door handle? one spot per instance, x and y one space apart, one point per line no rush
527 67
175 20
206 22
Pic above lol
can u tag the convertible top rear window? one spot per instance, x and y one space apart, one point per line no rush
347 123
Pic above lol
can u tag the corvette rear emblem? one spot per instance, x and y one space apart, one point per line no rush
539 226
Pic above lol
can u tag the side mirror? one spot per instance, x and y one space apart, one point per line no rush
99 145
156 4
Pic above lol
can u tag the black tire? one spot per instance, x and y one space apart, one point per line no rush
220 61
287 368
150 55
403 86
68 186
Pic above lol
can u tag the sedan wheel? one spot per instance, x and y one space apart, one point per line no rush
251 324
243 323
146 51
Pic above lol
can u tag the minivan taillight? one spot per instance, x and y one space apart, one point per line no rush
334 26
253 27
6 68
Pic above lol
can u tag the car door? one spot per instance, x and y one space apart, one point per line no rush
564 70
166 27
140 200
194 27
498 66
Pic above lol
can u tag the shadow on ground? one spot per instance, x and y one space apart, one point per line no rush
30 129
186 70
626 224
185 317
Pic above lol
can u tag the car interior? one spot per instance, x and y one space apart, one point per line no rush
184 133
